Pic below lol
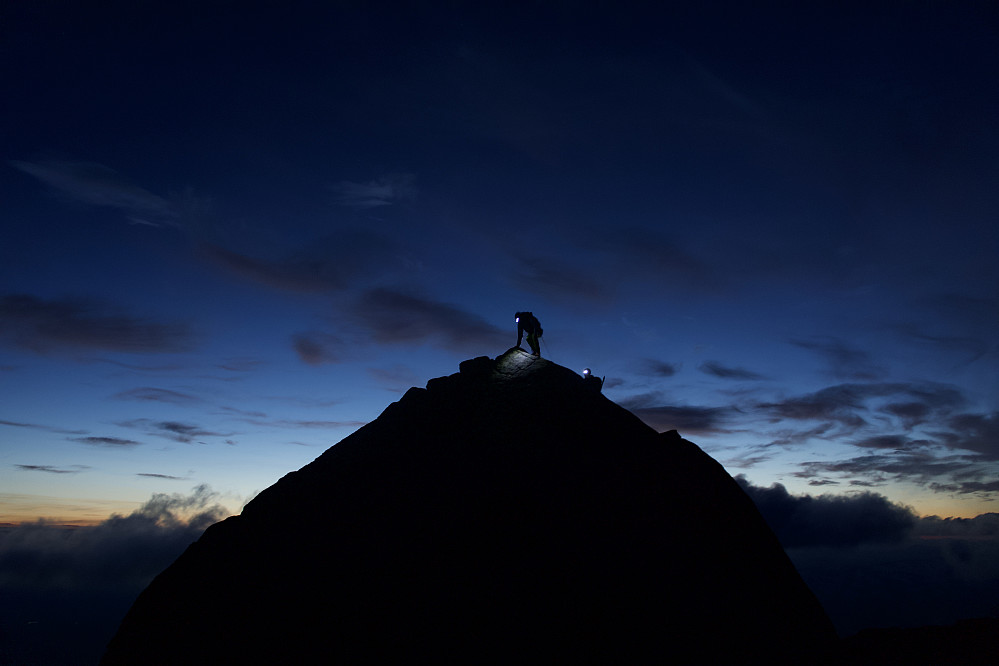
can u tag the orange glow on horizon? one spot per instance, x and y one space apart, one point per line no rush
18 509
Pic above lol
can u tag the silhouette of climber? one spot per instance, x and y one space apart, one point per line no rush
592 381
527 322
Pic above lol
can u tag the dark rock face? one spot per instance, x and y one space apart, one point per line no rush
504 514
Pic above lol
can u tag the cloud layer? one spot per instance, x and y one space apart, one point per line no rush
97 185
120 551
830 520
45 326
873 562
66 589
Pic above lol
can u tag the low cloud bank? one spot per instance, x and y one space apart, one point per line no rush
63 590
122 551
874 563
830 520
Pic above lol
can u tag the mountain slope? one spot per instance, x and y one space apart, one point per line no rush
507 513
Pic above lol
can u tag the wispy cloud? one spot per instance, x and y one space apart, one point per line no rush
398 376
51 469
844 361
152 394
317 348
314 424
43 326
683 418
240 364
384 191
168 477
656 368
225 409
328 264
941 473
98 185
791 437
971 348
850 405
46 428
978 433
989 488
910 414
169 367
554 279
175 430
392 316
915 430
891 442
108 442
716 369
886 416
646 255
836 403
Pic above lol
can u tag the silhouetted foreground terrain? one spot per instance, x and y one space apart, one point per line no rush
966 642
509 513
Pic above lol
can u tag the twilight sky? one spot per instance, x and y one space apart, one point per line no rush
230 237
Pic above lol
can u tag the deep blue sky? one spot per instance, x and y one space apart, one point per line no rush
234 232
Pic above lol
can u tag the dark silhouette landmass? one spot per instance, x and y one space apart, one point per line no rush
967 642
508 513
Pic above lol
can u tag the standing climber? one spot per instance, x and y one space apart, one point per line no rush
527 322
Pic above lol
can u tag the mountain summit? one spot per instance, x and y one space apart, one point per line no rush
508 513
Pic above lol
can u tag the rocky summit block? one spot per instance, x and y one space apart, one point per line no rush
508 513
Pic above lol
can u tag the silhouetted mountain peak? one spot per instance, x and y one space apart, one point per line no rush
506 513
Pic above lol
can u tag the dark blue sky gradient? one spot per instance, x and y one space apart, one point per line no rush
233 233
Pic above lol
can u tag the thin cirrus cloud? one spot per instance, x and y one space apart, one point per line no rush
331 263
791 437
398 376
99 185
657 368
843 360
152 394
966 487
684 418
558 281
186 433
317 348
107 442
971 348
692 419
891 442
46 428
716 369
941 473
44 326
392 316
52 469
304 424
644 253
977 433
910 416
850 404
384 191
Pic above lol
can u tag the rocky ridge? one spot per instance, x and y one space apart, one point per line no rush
506 513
